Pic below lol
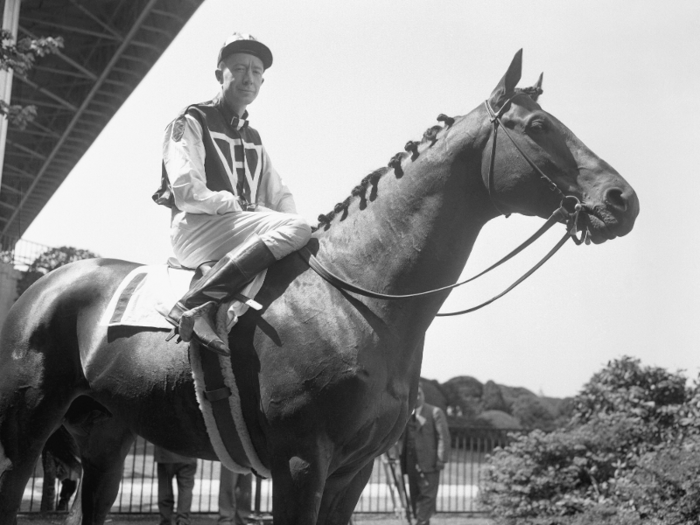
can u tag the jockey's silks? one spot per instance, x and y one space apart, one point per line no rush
214 168
234 155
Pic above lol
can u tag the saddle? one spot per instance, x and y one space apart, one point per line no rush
147 293
142 299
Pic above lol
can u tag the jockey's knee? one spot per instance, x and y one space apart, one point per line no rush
303 232
291 235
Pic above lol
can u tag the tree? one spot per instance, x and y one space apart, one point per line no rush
625 386
20 57
492 398
50 260
464 392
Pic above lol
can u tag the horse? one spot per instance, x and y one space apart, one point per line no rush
327 377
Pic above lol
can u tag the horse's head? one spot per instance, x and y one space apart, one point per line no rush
531 161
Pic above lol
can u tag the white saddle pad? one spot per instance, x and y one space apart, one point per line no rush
148 293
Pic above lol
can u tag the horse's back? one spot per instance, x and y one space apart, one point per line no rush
62 303
46 329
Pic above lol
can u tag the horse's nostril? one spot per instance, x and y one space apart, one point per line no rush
615 197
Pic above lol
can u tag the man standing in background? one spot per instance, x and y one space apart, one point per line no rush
426 449
234 497
171 465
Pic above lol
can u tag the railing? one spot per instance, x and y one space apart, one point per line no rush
20 253
459 482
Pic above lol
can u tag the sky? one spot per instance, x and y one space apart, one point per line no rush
353 81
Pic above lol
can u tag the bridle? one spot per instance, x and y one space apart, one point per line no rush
496 122
568 212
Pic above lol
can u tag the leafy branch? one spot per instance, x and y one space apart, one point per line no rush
20 57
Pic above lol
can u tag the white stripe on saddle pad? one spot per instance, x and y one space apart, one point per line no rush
148 293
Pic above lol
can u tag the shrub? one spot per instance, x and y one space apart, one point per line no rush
631 454
665 485
562 472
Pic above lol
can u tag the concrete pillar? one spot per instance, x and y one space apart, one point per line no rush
10 22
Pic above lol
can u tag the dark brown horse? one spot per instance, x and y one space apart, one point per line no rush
327 378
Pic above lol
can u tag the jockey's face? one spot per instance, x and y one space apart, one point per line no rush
240 76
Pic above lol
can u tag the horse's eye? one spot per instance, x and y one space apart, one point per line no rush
537 125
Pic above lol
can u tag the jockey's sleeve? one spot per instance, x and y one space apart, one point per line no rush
183 155
273 192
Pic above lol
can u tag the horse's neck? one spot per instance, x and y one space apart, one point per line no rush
418 231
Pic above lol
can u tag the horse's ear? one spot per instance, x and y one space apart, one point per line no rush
506 87
537 89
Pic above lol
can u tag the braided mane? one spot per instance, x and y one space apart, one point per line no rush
394 164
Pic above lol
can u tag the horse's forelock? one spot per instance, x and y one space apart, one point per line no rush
533 91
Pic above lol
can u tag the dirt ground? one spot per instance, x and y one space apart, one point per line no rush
152 519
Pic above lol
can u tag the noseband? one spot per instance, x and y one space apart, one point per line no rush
568 212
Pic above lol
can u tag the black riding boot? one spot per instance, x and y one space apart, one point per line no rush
195 313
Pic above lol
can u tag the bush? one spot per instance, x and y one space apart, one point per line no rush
560 473
631 452
626 386
665 485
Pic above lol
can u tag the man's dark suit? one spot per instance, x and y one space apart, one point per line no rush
426 449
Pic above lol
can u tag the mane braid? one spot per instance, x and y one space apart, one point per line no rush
358 191
430 135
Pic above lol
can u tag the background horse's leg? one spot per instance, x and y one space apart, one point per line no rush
32 405
14 474
24 428
18 455
104 442
341 495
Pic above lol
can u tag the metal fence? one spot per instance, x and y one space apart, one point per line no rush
19 252
459 482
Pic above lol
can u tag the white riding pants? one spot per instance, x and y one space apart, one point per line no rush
198 238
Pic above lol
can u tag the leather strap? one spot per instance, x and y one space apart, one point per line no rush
496 121
561 214
218 394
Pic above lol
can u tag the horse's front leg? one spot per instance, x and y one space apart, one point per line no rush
299 473
341 494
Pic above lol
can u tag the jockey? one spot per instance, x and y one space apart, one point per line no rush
228 203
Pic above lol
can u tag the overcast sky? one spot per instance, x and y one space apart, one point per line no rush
353 81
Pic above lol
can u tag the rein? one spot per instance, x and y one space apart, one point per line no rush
568 212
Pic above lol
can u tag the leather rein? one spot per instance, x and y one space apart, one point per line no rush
568 212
